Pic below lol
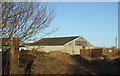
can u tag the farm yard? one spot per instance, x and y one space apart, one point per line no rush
34 62
32 45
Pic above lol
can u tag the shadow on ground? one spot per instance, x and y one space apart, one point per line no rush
99 66
63 63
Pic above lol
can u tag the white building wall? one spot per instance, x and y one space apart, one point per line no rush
47 48
39 48
77 49
69 47
54 48
20 48
74 49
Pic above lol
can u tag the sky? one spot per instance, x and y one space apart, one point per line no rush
95 21
119 26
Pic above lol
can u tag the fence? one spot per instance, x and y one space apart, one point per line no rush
96 53
110 51
99 52
85 52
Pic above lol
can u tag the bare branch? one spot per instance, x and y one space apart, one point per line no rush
25 19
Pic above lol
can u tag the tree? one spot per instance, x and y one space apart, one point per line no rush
25 19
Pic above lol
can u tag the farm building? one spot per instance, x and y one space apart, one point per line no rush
71 45
6 44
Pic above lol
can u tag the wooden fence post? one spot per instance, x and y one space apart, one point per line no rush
14 56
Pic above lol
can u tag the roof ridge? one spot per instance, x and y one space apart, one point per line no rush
61 37
55 40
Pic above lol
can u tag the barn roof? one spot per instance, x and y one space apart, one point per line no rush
54 41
